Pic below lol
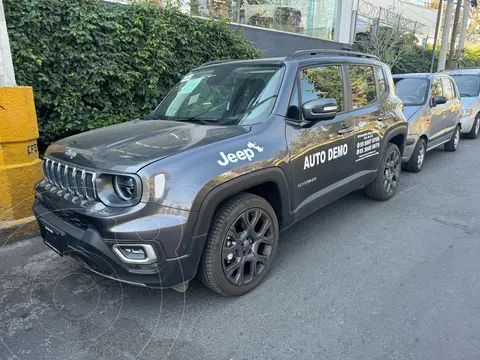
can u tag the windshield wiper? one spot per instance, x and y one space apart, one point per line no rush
250 109
204 121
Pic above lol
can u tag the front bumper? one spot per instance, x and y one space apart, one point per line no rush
81 238
410 145
467 124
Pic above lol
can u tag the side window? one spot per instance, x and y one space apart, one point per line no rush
448 89
293 111
323 82
362 82
437 89
381 80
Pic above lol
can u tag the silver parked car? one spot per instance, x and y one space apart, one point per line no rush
468 83
434 112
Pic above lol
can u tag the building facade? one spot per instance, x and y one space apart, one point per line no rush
279 27
321 19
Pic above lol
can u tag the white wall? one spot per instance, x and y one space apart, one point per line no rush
346 23
414 12
7 74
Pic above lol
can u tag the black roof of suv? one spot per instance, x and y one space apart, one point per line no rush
237 151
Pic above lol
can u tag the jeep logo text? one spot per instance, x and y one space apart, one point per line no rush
241 155
70 153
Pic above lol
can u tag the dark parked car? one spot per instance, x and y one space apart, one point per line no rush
434 112
236 152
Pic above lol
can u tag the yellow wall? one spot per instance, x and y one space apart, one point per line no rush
20 167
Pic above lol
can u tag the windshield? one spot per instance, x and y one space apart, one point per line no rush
413 92
468 85
226 94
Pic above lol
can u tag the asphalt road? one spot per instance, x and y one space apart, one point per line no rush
356 280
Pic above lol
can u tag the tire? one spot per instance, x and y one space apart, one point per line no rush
415 164
452 145
473 134
235 233
389 171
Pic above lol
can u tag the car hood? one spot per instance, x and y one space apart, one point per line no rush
129 146
467 102
410 111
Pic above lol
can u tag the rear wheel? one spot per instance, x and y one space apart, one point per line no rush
385 184
452 145
415 164
473 134
241 245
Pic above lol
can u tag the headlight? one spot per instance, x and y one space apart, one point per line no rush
467 112
124 187
119 190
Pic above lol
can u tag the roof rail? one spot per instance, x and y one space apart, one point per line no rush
215 62
320 52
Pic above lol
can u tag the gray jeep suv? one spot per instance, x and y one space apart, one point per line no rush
236 152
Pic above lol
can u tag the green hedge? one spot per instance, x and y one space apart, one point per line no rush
93 64
418 60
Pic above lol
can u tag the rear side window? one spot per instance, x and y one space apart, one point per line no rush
362 82
382 85
448 89
323 82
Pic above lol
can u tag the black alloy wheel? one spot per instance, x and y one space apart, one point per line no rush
248 246
391 172
241 245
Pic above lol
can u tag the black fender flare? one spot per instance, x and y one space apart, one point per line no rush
222 192
401 129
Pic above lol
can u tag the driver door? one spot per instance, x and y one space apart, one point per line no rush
322 152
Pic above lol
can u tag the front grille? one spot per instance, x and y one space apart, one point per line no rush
74 180
70 179
89 189
79 182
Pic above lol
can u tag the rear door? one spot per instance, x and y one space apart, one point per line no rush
453 106
368 89
436 134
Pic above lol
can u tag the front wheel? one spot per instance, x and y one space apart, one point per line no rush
241 245
473 134
452 145
415 164
385 184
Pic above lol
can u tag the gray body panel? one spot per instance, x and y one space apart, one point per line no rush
435 124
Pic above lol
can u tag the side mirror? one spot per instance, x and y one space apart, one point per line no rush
320 109
439 100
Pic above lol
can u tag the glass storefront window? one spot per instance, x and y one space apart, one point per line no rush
317 18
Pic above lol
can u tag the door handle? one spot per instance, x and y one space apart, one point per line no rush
382 118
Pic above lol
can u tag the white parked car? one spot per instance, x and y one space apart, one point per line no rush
468 83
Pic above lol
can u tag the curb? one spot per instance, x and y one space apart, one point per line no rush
16 230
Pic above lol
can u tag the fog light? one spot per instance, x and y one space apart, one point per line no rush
135 253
